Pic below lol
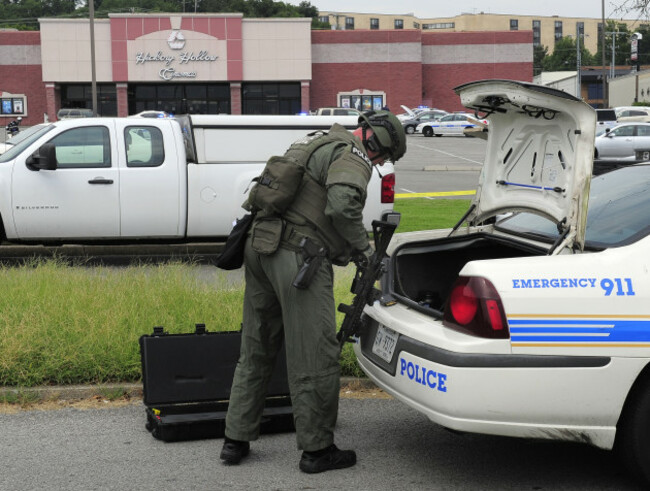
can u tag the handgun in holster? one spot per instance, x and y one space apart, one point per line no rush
313 255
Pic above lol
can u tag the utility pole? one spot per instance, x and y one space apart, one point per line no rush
578 61
93 75
602 49
612 71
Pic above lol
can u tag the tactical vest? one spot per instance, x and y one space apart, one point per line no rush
285 187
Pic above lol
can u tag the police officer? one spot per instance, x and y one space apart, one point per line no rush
326 210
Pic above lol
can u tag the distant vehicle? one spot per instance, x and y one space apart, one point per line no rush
336 111
411 122
152 114
606 119
411 112
451 124
623 141
69 113
633 114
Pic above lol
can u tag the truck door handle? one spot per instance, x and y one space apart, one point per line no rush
100 180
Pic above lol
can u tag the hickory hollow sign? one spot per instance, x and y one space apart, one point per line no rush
176 41
169 73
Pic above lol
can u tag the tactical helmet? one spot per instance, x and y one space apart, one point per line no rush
388 133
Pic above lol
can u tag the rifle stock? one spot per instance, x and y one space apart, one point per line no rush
363 285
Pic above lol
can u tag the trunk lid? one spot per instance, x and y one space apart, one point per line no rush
539 154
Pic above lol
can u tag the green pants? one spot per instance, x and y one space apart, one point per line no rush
275 310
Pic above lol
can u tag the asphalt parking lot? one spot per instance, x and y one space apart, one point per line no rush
447 166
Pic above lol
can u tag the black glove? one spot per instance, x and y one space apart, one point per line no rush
362 258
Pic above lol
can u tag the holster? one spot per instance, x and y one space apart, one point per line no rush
313 255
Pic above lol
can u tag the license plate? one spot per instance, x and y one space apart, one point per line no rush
385 342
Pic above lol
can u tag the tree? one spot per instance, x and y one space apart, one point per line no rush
638 7
539 53
564 56
24 14
621 43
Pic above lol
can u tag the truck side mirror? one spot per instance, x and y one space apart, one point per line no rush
44 158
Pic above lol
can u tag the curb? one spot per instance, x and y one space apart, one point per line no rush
132 390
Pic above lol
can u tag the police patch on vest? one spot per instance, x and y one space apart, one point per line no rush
359 153
306 140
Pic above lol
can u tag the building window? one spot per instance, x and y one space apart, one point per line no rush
374 23
537 33
349 23
439 25
416 25
271 98
180 98
81 96
600 31
558 30
514 24
595 91
325 19
399 24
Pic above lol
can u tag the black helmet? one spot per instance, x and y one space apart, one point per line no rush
388 133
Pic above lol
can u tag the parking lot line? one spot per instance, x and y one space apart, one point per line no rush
440 194
446 153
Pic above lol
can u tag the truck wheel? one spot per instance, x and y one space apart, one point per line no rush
632 444
427 131
410 129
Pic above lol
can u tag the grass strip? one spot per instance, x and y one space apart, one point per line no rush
62 324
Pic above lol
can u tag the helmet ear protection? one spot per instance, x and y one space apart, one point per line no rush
378 121
372 143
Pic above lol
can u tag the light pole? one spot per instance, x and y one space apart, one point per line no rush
578 61
612 70
93 75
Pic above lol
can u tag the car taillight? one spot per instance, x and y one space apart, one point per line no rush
388 188
474 307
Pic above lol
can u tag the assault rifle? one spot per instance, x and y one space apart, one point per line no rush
363 285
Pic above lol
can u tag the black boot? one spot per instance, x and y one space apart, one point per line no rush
234 451
327 459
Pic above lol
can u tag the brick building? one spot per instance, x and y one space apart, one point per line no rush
224 63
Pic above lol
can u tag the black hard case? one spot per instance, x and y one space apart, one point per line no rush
187 379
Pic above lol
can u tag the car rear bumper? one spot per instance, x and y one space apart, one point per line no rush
548 397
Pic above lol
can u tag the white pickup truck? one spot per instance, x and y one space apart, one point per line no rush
128 179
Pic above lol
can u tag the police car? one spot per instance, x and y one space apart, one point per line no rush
531 317
451 124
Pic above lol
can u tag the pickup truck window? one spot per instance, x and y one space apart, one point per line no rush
83 148
144 146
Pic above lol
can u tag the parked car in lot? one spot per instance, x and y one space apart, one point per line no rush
531 317
628 114
621 142
606 120
74 112
410 124
451 124
335 111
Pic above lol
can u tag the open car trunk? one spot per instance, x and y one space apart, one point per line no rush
422 273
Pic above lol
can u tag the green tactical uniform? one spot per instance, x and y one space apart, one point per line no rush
305 318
